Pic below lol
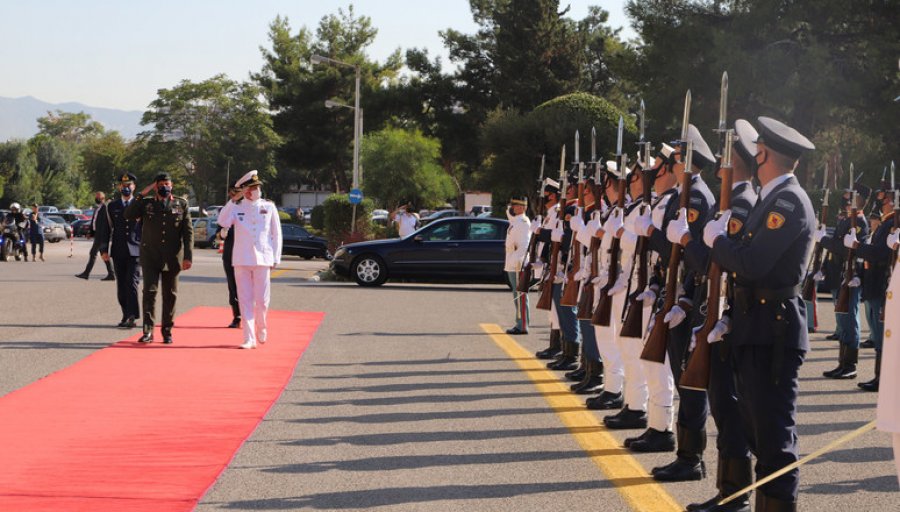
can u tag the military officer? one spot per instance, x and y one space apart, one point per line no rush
235 194
167 242
518 235
769 339
125 237
257 250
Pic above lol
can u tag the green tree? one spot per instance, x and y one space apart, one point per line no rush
402 165
103 159
18 172
58 169
69 126
202 130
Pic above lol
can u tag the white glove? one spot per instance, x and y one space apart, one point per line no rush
648 297
629 242
694 332
537 267
658 214
850 240
854 283
560 278
675 316
557 234
619 286
820 234
893 239
614 222
819 276
678 227
722 327
583 273
642 224
716 228
536 225
577 221
601 279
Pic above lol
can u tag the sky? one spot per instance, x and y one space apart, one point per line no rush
117 54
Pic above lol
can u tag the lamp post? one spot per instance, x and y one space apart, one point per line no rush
357 114
357 136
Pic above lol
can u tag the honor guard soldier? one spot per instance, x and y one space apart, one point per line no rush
518 235
567 315
542 227
769 339
888 412
167 242
257 250
120 238
734 467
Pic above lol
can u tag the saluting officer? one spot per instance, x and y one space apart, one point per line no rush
518 235
257 250
769 339
167 242
125 237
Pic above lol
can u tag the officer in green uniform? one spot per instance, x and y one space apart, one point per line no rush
167 239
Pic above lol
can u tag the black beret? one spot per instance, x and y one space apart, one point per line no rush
782 138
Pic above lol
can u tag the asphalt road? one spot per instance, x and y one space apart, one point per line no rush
403 402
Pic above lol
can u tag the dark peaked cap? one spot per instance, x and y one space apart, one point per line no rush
746 143
782 138
703 156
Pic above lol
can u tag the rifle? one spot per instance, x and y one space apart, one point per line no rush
571 286
586 300
633 323
696 375
526 274
603 312
657 340
809 284
843 302
545 301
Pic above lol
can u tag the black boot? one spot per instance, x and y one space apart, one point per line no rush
769 504
848 366
732 476
593 380
551 351
652 441
577 375
688 464
626 419
110 275
840 367
605 401
872 385
569 360
561 356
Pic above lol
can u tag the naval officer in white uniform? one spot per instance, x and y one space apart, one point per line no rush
257 250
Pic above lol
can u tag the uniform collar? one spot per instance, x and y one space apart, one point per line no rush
886 216
737 184
770 186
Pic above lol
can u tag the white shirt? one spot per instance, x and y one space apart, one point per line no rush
770 186
257 232
517 237
406 223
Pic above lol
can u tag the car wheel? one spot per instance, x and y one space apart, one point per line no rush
369 270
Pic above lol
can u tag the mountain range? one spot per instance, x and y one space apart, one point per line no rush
18 117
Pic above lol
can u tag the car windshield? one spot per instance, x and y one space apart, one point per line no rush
442 232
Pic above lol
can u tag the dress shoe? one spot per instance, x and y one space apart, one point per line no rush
605 401
680 470
592 381
109 277
82 276
130 323
833 337
732 475
167 338
872 385
577 375
842 350
249 344
625 419
121 323
551 351
235 323
867 344
147 337
516 330
741 504
630 440
653 441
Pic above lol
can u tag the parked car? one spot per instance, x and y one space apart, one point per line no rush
53 231
197 213
213 211
61 221
382 217
47 209
297 241
205 229
477 210
455 248
440 214
81 227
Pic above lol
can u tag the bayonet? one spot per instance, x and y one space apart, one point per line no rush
723 103
562 172
852 187
686 120
593 145
642 141
577 150
619 138
894 188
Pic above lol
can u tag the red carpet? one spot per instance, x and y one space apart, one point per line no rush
145 427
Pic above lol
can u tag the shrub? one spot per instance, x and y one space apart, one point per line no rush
317 217
338 211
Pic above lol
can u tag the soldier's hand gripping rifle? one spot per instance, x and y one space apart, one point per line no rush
809 283
657 340
696 375
526 274
573 265
546 298
603 313
586 299
843 302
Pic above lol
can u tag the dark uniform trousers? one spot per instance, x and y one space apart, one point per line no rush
121 237
229 275
128 280
152 274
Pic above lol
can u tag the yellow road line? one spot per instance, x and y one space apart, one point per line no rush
636 486
278 272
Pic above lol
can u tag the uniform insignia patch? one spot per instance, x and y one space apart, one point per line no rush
774 220
734 226
739 211
263 211
696 200
783 203
693 214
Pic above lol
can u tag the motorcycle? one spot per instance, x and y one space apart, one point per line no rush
12 244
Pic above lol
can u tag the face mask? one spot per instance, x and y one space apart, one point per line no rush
98 200
255 194
164 191
511 212
126 191
754 169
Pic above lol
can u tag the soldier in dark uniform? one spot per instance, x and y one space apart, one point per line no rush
227 250
769 339
734 468
167 241
99 212
125 237
876 275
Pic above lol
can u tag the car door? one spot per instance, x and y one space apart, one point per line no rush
432 251
290 243
482 254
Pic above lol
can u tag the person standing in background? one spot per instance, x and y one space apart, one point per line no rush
35 234
99 210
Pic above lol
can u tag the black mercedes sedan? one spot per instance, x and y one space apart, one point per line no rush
456 248
297 241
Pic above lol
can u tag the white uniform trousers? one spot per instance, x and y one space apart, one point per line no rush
635 381
253 297
661 387
613 368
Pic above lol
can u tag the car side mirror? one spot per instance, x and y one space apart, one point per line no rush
418 238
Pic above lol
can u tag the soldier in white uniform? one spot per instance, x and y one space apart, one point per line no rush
257 250
518 235
888 413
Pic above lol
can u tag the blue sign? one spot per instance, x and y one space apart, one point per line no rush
356 196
